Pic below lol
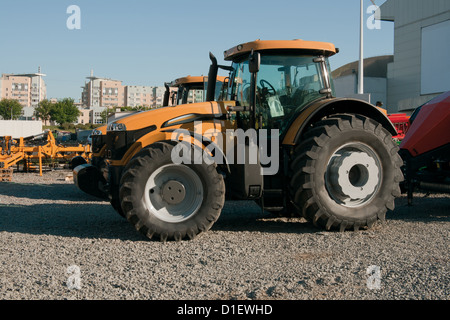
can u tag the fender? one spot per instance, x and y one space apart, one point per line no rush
166 135
205 142
322 108
146 140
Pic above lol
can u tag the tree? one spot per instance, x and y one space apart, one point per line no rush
43 110
10 109
104 116
64 111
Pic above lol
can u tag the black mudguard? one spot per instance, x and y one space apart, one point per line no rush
90 180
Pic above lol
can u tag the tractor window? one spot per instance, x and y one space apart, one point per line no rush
180 95
220 90
239 90
240 84
285 85
190 94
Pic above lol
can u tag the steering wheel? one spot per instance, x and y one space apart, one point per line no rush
263 82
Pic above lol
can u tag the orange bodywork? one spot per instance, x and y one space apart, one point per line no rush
211 114
192 80
325 48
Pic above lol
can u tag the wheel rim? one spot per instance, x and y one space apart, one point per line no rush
353 175
173 193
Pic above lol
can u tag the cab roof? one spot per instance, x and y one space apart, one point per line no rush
302 46
191 80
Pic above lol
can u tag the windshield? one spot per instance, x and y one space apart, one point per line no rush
285 84
193 93
190 94
219 91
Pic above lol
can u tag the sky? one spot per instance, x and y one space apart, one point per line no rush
149 42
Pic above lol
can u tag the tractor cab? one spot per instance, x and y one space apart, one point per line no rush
190 89
287 76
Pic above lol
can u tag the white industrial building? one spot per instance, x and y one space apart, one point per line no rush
375 79
421 67
18 128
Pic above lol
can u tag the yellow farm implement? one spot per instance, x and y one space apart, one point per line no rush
13 151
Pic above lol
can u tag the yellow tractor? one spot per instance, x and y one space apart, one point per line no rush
280 138
184 90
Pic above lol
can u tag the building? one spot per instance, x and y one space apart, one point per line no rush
136 96
27 114
158 96
85 116
103 92
109 93
420 68
375 79
95 115
27 89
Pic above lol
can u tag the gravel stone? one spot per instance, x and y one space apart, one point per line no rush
47 225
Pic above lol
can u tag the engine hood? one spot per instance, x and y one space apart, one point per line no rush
170 116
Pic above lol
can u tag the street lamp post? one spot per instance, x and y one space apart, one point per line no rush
361 52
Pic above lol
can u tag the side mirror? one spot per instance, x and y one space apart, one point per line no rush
254 62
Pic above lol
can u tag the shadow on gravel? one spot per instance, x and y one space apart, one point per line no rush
98 221
425 208
247 216
83 216
67 192
87 217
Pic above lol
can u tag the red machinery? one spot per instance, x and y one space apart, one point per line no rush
401 123
425 148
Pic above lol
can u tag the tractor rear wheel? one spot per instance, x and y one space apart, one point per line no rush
345 173
170 201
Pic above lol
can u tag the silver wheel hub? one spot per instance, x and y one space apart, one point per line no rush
173 193
353 175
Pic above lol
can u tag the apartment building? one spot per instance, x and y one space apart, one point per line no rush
27 89
103 92
139 96
85 116
109 93
158 96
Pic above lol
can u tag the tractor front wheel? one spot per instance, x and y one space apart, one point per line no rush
170 201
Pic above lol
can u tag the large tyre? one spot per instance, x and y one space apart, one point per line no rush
115 203
345 173
170 201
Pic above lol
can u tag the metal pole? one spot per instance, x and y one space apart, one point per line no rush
361 52
39 86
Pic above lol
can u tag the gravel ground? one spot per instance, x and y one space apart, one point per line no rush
47 225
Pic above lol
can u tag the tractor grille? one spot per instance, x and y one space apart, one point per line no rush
98 141
118 142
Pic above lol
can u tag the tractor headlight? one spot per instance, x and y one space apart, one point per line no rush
117 127
96 132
